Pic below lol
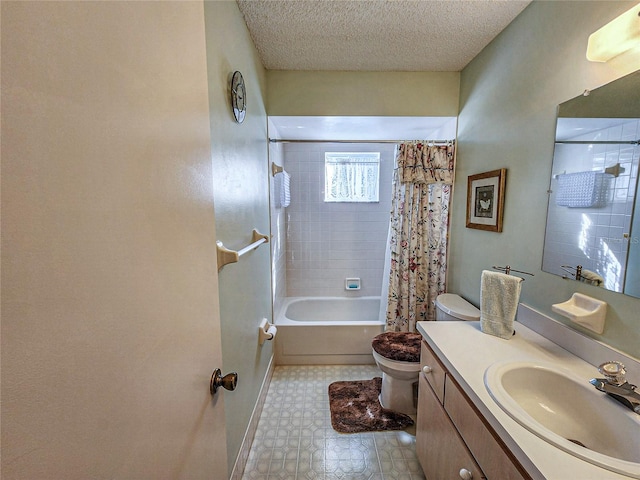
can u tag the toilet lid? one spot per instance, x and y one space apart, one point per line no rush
399 346
456 306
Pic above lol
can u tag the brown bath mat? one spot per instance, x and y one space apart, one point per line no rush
355 408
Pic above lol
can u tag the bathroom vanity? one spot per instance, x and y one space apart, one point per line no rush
452 439
462 432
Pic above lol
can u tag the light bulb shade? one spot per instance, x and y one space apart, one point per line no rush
616 37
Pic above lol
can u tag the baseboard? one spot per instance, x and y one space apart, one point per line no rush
334 359
245 448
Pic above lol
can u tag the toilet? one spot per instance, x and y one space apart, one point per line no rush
398 354
450 306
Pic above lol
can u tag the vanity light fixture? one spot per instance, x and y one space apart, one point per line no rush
616 37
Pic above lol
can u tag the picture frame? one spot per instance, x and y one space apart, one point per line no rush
485 200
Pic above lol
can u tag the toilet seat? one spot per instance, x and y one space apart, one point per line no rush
398 346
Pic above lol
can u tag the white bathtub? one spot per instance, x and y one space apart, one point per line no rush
326 330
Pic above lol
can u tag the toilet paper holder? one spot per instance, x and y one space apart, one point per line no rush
266 331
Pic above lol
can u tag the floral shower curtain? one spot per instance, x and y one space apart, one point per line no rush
418 232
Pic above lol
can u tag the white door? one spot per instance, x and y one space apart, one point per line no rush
110 314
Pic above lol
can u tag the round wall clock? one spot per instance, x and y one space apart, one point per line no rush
238 97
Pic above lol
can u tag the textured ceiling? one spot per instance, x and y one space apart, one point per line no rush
374 35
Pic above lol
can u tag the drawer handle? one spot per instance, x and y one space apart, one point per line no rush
427 369
465 474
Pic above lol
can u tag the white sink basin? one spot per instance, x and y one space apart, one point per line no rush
568 412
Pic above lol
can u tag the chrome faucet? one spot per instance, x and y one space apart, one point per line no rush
615 385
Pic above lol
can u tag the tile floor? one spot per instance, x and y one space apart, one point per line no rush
295 441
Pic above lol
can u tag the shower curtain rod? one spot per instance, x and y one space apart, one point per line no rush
283 140
600 142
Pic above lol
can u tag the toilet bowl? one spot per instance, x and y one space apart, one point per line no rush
398 378
398 354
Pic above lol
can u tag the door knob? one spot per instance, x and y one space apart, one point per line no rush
466 474
228 382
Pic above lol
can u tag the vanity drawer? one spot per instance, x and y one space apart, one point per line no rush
495 461
432 370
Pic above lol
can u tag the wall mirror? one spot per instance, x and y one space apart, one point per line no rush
593 225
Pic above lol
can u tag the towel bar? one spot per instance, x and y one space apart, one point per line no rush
226 255
508 270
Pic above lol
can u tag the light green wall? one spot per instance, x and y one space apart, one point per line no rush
508 99
299 93
241 198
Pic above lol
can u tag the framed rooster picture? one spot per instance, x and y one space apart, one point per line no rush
485 200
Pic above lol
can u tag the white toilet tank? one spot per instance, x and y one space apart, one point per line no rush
450 306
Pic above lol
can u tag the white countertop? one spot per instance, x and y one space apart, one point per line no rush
467 352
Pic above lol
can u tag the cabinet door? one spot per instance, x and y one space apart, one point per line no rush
440 450
494 460
433 370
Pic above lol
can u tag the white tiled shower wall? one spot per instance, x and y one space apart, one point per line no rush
327 242
278 231
580 233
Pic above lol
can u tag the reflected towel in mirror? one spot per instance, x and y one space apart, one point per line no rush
582 189
592 277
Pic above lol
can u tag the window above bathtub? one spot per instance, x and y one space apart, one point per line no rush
351 176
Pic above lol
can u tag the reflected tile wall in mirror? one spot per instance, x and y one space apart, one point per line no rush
597 238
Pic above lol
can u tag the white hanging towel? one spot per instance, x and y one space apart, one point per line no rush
277 191
499 297
281 190
285 192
